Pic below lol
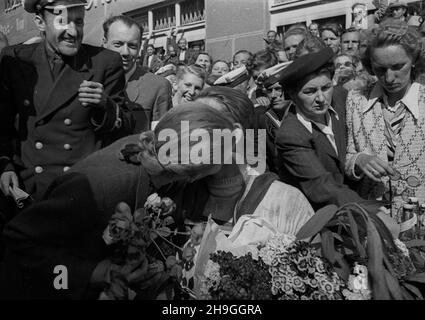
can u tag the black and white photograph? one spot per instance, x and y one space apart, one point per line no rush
215 155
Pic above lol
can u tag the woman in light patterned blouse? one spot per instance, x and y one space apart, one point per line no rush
386 124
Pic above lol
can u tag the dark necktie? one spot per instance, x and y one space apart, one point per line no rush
57 66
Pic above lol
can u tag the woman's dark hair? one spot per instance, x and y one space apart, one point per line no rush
238 106
265 58
334 27
204 54
310 44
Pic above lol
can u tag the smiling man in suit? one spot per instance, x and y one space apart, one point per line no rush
68 98
149 95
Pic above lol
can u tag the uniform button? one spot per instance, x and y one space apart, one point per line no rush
38 169
67 146
65 169
67 122
26 102
38 145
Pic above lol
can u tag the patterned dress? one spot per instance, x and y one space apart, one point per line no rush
366 133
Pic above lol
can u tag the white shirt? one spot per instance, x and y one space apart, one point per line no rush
182 54
326 129
150 61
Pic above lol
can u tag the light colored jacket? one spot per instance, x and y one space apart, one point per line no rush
365 125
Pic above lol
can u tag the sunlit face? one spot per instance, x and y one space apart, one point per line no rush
314 29
331 40
398 12
204 61
350 43
182 44
219 68
271 36
189 86
63 29
171 51
393 68
242 59
315 95
124 40
291 44
343 63
275 93
359 12
150 51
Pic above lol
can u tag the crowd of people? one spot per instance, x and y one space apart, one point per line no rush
343 113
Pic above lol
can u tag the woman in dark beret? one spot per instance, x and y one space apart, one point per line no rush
311 140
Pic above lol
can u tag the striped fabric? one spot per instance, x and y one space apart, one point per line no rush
393 118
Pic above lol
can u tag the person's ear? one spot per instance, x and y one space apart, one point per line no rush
40 23
104 42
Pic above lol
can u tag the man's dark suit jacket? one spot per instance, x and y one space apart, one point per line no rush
149 93
156 63
309 162
54 130
66 227
189 56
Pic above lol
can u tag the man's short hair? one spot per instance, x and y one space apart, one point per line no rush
350 30
358 4
129 22
251 56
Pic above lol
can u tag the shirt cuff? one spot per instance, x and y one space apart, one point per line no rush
351 167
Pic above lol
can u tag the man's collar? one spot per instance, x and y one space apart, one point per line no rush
130 72
410 99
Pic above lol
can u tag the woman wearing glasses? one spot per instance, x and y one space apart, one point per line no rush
349 73
386 124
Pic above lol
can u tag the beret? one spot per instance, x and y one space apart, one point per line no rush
303 66
33 6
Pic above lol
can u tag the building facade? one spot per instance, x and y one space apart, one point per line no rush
221 27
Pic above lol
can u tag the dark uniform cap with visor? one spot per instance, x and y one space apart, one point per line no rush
33 6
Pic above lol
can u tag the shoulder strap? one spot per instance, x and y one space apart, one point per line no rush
256 193
274 118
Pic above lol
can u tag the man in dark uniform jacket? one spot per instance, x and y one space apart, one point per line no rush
68 97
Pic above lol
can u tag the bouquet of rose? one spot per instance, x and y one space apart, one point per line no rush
136 269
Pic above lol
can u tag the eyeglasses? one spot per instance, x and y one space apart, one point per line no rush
345 64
